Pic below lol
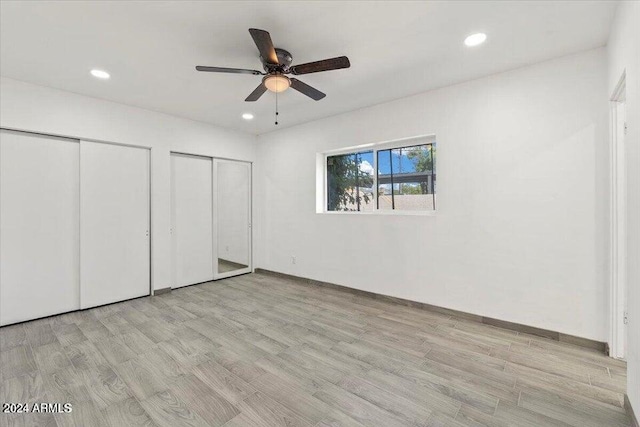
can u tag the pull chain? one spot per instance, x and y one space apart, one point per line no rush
276 103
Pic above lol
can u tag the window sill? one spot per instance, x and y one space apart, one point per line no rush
381 213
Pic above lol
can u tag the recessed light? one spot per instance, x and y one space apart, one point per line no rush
100 74
247 116
475 39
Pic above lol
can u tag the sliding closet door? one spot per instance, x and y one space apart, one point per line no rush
232 217
191 215
114 226
39 220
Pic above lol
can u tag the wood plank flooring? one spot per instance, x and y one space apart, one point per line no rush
257 350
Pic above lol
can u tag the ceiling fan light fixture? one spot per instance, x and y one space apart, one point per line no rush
277 83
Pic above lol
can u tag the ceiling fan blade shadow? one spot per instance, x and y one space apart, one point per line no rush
228 70
305 89
262 39
318 66
257 93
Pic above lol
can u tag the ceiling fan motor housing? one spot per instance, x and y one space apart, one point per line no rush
284 61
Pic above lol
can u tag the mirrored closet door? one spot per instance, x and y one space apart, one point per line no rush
231 217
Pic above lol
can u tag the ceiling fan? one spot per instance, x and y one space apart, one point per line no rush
277 63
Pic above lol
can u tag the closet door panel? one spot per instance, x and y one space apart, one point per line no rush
192 227
232 217
114 223
39 226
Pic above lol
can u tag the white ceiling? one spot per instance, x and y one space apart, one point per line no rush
396 49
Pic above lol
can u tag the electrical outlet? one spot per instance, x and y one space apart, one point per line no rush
293 260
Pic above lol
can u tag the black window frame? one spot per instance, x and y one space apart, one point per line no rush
398 178
330 198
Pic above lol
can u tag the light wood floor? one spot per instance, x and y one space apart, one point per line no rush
261 351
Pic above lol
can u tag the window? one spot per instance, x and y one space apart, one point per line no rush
350 182
392 177
406 178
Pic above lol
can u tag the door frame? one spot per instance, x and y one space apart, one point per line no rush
216 274
618 229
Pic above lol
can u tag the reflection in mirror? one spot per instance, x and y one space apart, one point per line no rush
234 187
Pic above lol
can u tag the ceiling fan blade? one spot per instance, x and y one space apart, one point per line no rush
262 39
228 70
324 65
304 88
257 93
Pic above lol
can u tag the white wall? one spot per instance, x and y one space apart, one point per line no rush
624 55
521 228
40 109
